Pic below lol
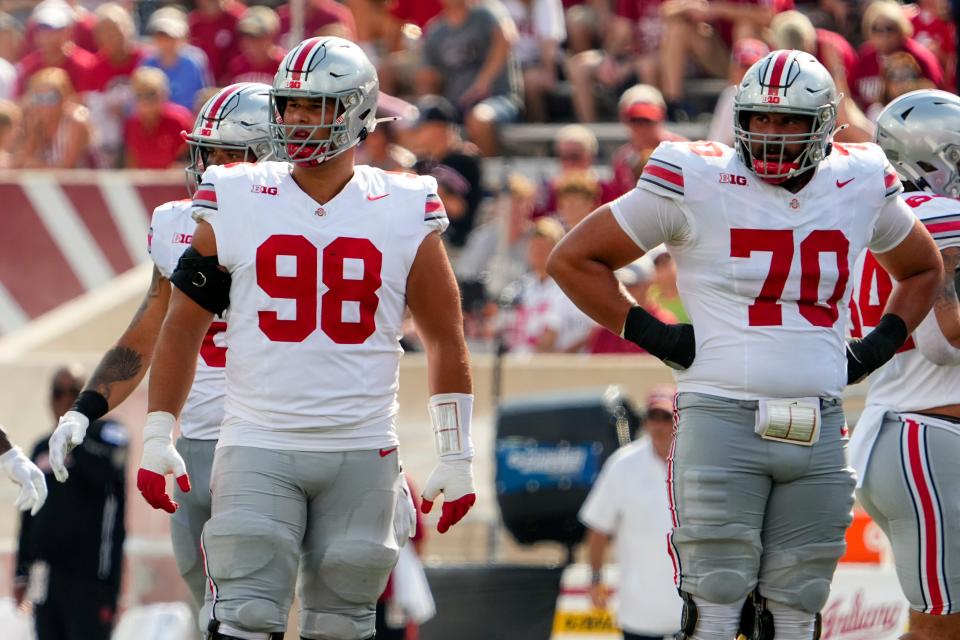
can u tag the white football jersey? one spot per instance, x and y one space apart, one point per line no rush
763 272
909 382
171 230
317 301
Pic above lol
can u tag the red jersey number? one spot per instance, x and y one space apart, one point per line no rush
302 288
210 353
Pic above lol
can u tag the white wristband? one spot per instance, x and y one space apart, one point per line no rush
160 424
450 414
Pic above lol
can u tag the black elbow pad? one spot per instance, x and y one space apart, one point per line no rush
203 281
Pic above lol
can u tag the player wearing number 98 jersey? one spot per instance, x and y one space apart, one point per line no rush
764 237
906 443
232 126
317 259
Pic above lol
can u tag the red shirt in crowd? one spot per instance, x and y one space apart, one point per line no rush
419 12
158 146
866 81
242 69
939 36
648 27
77 62
105 70
848 55
319 13
217 36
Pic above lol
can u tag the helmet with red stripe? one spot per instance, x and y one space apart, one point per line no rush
336 75
235 118
920 133
785 82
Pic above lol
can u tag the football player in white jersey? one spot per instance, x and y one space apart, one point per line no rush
233 126
906 445
25 474
764 237
317 259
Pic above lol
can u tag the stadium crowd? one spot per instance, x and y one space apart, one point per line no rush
87 84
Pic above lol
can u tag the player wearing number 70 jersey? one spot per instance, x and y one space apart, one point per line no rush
233 126
764 237
906 445
316 259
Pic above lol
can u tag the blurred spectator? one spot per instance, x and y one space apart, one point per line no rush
56 48
213 29
185 66
259 56
72 550
630 45
540 31
321 18
417 12
9 38
57 130
628 505
706 31
380 149
576 148
467 58
841 16
10 116
110 96
578 194
81 31
376 28
745 53
585 20
664 292
934 29
152 134
643 111
459 172
545 320
794 30
887 30
636 278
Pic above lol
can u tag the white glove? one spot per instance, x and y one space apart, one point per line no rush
160 458
453 478
69 433
405 517
33 486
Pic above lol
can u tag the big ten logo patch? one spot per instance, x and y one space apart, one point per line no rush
260 188
732 178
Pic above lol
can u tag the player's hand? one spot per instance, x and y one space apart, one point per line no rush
33 486
453 478
159 459
69 433
599 595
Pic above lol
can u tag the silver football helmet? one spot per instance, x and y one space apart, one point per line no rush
237 117
338 73
785 81
920 133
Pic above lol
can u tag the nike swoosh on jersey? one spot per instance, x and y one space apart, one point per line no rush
372 198
841 185
385 452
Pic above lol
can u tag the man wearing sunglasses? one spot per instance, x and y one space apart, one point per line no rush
231 127
71 551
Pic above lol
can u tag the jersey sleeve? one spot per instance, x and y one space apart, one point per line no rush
663 173
206 209
895 221
651 219
892 187
434 213
944 225
155 245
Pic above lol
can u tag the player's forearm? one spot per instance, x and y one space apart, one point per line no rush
913 297
591 285
946 306
174 365
448 365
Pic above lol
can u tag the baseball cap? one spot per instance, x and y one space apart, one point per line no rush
169 21
749 50
52 15
436 109
642 101
660 398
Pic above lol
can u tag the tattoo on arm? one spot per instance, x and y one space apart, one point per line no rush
948 289
123 363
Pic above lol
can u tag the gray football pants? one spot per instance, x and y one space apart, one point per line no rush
330 513
750 511
187 521
912 491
